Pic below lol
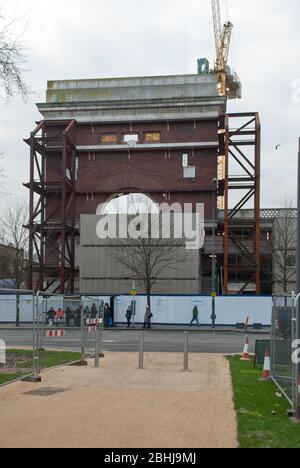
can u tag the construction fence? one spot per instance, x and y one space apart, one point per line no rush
173 310
284 336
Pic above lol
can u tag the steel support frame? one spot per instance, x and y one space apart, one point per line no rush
247 185
52 208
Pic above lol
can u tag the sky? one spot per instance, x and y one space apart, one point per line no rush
68 39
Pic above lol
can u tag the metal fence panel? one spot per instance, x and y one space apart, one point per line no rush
283 334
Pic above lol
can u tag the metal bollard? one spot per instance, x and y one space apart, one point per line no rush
101 350
186 350
141 354
97 348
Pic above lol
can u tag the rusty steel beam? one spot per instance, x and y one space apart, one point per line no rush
248 180
57 224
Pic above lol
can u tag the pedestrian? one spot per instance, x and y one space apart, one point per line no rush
129 316
77 317
107 316
68 316
86 313
59 316
93 311
195 316
51 317
147 318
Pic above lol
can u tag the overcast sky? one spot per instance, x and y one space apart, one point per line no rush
70 39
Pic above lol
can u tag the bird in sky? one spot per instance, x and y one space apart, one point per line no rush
277 147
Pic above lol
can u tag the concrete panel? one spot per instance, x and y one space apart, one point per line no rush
126 89
101 273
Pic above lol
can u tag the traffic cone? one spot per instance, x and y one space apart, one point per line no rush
246 354
267 367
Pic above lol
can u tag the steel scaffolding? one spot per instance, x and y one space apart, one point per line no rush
52 227
241 146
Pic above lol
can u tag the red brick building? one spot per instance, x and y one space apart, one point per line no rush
101 138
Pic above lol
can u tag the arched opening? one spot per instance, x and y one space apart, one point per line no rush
134 203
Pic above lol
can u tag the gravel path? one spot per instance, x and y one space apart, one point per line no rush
120 406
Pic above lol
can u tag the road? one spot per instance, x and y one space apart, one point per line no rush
155 341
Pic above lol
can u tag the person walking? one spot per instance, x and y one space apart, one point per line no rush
147 318
59 316
68 316
77 317
107 316
86 313
51 316
93 311
129 316
195 316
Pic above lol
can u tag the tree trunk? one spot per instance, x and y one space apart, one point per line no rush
149 299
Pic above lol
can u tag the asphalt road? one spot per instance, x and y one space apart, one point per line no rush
155 341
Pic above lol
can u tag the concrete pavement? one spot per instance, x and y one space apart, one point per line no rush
120 406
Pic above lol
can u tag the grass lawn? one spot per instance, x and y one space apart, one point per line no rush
255 402
47 359
4 378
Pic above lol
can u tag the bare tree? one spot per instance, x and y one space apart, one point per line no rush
12 59
148 258
284 244
14 246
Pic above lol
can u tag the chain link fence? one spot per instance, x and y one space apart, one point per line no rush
284 332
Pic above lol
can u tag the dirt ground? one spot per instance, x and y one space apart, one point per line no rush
12 364
120 406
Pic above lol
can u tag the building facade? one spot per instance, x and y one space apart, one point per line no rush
104 138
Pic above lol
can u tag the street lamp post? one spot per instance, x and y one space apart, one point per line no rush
214 254
298 283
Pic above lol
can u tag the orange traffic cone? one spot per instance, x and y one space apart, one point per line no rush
246 354
267 367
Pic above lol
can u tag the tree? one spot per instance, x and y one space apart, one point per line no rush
12 59
14 247
147 258
284 245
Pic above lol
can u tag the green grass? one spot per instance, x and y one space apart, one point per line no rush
5 378
255 401
47 359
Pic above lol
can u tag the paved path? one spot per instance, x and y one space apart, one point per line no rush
120 406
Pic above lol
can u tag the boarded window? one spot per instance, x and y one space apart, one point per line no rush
109 138
152 137
131 139
189 172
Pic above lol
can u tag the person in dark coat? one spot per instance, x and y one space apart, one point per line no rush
94 311
129 316
68 316
147 318
51 316
107 315
77 318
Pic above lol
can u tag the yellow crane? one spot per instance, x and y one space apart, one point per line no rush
229 81
222 37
